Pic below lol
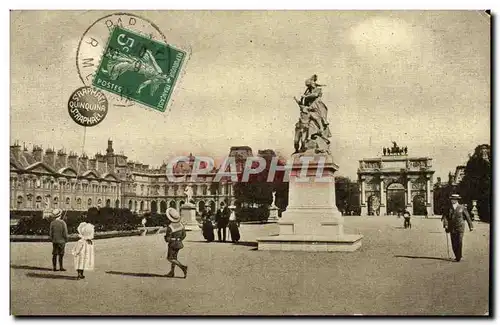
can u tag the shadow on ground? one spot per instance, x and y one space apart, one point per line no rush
424 257
246 243
143 275
51 276
29 267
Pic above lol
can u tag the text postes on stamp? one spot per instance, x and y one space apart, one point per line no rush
87 106
93 42
139 68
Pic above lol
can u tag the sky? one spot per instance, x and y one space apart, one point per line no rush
420 78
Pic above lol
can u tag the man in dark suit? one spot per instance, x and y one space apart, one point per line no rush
453 222
222 220
58 234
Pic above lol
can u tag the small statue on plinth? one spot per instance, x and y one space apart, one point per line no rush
189 194
474 211
274 199
312 130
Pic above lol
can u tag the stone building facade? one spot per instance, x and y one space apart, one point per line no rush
43 180
391 183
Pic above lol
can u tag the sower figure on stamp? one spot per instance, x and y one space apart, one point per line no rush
174 236
58 234
453 222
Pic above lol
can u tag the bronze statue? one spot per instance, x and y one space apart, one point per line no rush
312 130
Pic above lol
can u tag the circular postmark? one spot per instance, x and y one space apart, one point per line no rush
87 106
93 43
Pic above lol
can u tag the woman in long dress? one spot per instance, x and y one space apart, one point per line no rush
233 226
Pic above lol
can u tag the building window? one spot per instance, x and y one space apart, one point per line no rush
19 202
99 202
79 203
38 183
68 202
38 203
108 203
89 203
142 190
56 202
204 190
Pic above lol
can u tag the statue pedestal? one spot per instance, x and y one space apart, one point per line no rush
312 221
188 216
273 214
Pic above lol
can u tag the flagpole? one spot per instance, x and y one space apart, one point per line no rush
84 135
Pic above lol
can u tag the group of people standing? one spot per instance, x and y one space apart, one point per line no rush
225 218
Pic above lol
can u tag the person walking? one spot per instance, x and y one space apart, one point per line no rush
174 236
83 252
207 226
453 222
58 233
407 217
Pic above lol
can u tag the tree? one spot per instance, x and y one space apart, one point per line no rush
476 184
346 194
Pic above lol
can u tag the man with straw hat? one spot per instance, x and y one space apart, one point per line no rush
58 233
174 236
453 222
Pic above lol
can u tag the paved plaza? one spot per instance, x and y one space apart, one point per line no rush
396 272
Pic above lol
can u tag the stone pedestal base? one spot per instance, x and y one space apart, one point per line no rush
188 217
312 221
310 243
364 210
273 214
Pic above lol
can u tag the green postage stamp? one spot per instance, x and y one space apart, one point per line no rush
139 68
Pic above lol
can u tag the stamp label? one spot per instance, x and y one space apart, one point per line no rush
139 68
87 106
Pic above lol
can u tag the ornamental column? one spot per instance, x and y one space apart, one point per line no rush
364 208
428 188
383 208
430 203
408 192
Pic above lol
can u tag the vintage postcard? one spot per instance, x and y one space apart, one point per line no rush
244 163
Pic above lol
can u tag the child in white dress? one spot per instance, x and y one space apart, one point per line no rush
83 251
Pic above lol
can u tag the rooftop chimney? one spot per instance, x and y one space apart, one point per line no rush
50 158
16 150
92 164
37 153
61 160
73 161
83 163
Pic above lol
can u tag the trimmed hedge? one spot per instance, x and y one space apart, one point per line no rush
156 219
104 219
253 214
